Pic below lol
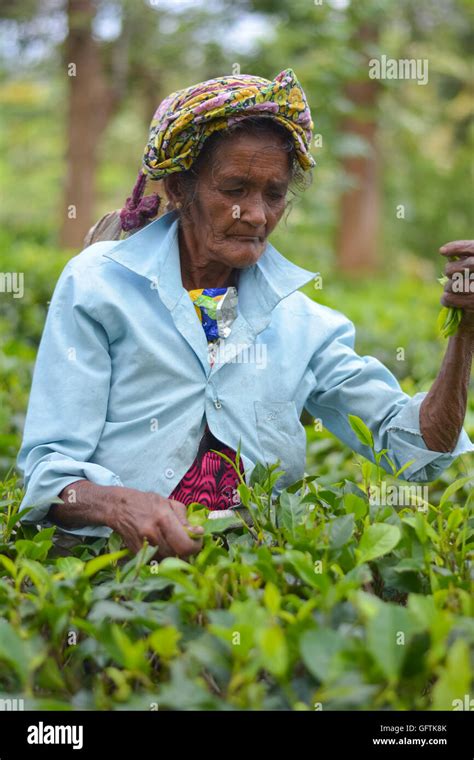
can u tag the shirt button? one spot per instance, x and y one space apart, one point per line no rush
169 472
217 404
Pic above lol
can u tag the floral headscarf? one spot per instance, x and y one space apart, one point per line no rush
185 119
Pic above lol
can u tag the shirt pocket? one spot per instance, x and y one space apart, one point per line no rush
281 436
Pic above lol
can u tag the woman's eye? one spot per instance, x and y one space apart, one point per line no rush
238 192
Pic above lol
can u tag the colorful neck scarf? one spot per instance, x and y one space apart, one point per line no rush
186 118
216 308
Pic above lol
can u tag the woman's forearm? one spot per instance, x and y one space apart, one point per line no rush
444 407
85 503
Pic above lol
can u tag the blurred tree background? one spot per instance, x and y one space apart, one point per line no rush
80 79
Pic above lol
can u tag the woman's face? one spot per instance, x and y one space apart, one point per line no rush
240 198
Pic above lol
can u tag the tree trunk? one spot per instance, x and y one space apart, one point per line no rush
358 232
91 102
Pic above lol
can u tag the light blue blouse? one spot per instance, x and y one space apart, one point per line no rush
122 384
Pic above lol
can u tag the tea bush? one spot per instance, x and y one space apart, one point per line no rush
318 598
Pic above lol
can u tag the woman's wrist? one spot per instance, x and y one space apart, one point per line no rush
87 503
443 410
465 331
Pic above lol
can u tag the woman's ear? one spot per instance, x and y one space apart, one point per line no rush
174 191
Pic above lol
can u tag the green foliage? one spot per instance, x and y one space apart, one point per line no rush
316 599
448 321
449 318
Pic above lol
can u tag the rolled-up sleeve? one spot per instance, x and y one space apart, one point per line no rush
68 403
346 383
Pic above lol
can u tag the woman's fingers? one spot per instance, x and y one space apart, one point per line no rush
453 267
459 289
176 536
181 512
457 247
463 269
164 549
153 537
132 543
458 300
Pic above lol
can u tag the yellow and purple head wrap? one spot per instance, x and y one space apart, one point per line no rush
185 119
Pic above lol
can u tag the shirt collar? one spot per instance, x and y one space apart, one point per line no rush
153 252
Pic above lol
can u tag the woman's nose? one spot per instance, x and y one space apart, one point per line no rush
255 212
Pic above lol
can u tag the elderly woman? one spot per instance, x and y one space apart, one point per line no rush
189 337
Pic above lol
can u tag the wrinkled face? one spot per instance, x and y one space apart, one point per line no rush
240 198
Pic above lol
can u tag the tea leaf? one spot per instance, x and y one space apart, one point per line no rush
377 540
361 430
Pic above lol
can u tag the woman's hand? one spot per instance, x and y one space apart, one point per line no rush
136 515
140 516
459 290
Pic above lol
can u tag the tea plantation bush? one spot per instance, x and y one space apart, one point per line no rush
317 599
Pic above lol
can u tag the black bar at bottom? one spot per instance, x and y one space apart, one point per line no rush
375 734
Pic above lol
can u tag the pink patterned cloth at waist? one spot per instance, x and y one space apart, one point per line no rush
210 480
